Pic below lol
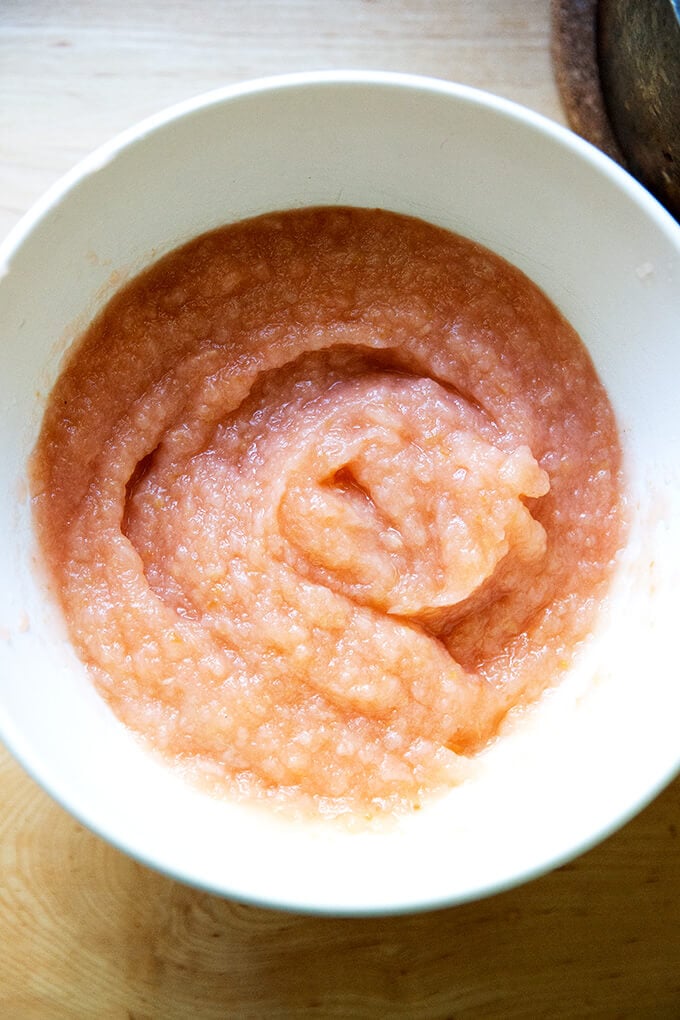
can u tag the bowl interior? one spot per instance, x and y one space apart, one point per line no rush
595 749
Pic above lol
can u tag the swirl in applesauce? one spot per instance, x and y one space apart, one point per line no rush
323 495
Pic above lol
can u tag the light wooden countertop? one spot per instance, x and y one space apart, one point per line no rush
85 932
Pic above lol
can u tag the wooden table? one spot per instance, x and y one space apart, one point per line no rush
86 932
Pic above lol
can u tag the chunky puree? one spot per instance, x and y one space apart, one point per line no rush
323 495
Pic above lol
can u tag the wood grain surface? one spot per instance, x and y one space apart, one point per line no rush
85 932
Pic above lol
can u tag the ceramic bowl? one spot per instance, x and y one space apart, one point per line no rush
595 750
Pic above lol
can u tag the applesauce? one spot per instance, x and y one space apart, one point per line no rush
323 495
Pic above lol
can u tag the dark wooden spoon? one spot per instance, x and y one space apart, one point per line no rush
638 46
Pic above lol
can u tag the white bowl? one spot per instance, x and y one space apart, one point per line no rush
594 751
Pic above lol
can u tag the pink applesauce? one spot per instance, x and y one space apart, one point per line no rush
323 495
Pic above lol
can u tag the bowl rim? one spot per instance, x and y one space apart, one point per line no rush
10 734
106 152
